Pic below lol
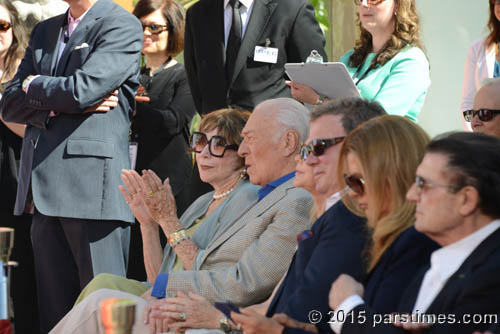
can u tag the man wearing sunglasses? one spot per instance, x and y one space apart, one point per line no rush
336 240
75 91
484 117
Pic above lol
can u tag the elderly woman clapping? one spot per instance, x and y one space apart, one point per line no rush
153 204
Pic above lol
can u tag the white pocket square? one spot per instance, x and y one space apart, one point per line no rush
84 45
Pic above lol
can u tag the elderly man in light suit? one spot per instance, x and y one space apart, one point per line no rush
244 262
75 91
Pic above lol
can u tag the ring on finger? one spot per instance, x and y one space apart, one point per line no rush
182 315
150 194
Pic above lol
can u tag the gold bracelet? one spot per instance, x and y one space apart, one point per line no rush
176 237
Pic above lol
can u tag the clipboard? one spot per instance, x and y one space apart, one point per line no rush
328 79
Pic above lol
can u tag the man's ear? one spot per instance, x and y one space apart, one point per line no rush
469 201
290 142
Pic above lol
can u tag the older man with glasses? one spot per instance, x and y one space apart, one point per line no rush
483 117
248 258
336 240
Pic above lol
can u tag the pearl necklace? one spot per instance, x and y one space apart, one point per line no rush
243 173
222 195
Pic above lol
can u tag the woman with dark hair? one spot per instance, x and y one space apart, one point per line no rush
160 125
483 61
13 41
215 146
388 64
164 105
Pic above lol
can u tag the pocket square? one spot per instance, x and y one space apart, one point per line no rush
304 235
83 45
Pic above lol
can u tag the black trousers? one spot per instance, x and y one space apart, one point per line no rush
68 253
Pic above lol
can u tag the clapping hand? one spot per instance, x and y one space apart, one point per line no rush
132 182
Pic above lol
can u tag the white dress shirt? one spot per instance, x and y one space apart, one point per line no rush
245 12
444 263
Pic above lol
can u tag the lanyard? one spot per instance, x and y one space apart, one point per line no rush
363 76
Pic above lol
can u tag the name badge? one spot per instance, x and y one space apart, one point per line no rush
266 54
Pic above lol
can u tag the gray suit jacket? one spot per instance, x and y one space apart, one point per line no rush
246 260
73 161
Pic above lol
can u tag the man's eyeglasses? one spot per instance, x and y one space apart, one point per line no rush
318 146
369 2
422 184
484 115
154 29
217 145
355 183
4 25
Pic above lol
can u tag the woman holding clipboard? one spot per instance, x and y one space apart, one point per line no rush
388 64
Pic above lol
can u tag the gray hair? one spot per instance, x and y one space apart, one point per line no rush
490 82
353 110
290 114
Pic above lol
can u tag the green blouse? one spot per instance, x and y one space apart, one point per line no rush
400 86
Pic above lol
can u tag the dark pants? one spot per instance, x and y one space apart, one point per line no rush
68 254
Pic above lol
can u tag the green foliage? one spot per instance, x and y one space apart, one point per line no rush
321 9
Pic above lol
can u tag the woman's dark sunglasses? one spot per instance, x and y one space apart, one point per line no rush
318 146
356 184
484 115
4 25
155 29
217 145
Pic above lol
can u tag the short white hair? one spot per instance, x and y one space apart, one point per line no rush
290 114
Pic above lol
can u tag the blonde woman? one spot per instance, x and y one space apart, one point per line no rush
378 162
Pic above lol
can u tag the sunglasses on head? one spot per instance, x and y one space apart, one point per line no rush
217 145
154 29
4 25
355 183
484 115
318 146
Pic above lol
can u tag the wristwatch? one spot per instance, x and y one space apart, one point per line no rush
224 325
321 99
26 81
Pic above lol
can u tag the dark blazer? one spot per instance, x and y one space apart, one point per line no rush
335 247
473 289
73 161
387 282
288 25
161 128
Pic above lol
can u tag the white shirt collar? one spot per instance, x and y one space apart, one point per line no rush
246 3
332 200
448 259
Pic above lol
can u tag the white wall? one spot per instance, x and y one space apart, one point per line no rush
449 27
